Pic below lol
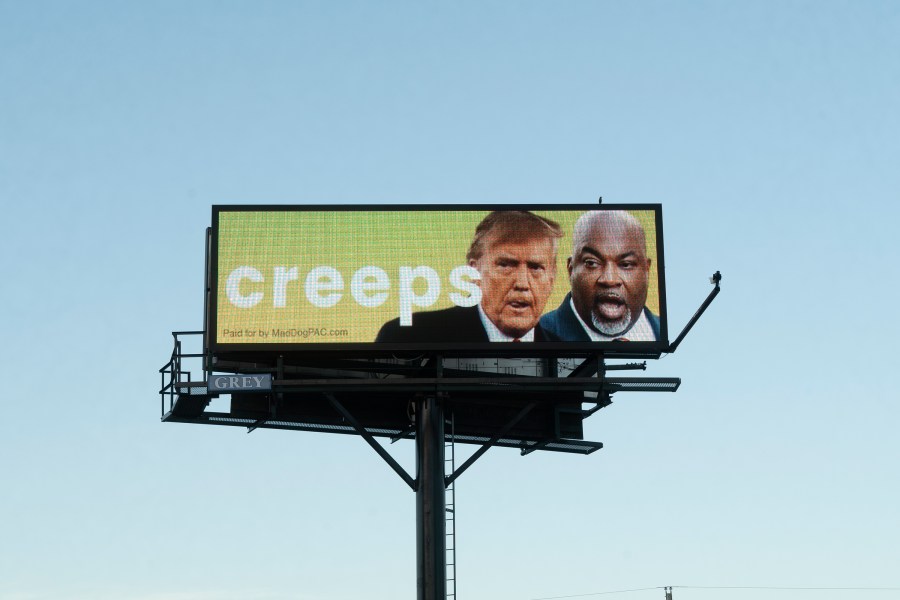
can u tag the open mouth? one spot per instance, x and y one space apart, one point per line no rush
610 307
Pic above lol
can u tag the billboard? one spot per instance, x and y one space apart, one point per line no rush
381 279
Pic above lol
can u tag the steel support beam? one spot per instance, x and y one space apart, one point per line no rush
487 446
371 441
431 501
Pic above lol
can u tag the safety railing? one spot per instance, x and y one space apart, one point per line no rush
173 372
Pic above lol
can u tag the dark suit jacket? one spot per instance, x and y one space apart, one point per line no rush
451 325
563 323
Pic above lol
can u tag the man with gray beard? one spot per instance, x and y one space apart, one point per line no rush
608 273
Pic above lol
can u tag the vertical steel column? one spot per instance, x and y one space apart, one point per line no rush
431 501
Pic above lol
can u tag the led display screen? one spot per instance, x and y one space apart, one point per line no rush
437 278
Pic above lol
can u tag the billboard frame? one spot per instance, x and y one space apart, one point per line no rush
382 349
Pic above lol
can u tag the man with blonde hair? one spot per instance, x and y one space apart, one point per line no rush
514 253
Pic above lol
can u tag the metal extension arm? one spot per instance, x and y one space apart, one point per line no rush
715 279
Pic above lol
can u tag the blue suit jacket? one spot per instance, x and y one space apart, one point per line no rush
563 323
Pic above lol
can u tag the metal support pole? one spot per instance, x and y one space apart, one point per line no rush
431 502
715 279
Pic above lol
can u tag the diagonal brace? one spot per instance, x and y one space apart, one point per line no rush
372 442
591 366
519 416
715 279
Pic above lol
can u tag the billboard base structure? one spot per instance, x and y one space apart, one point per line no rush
414 400
410 399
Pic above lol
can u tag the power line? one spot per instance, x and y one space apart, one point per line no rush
600 593
729 587
770 587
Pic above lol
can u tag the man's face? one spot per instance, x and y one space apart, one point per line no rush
516 281
608 274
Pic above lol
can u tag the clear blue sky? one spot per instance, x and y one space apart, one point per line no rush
769 131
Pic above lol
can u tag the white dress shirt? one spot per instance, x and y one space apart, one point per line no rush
495 335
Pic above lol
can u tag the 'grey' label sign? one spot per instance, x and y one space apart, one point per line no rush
240 383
